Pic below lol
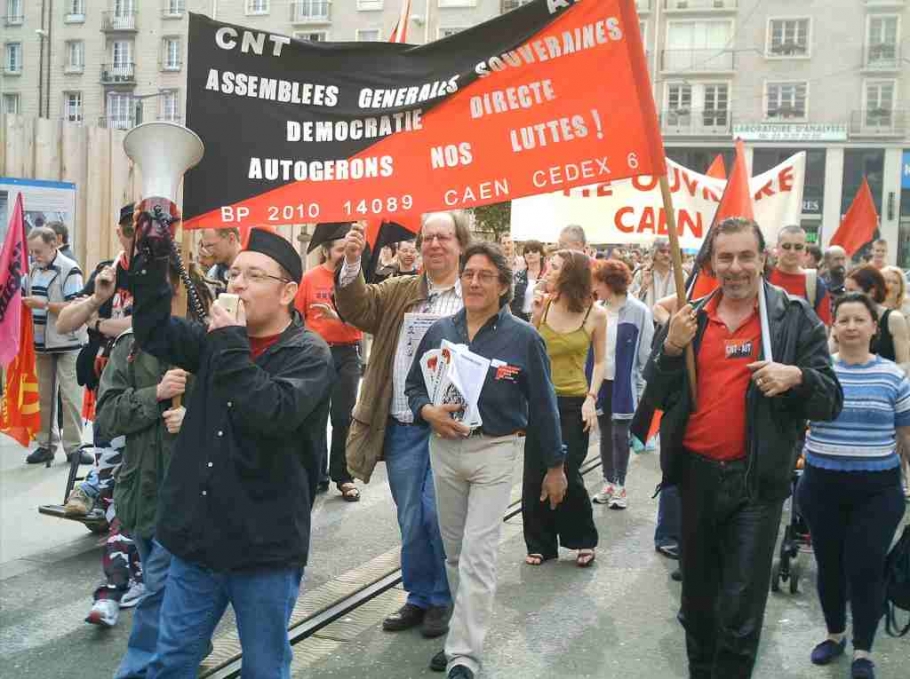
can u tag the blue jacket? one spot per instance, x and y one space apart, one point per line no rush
634 334
517 394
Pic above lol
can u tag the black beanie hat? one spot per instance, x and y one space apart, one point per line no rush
278 248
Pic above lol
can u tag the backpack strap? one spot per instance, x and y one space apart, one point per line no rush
812 287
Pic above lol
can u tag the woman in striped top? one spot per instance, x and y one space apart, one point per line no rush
850 493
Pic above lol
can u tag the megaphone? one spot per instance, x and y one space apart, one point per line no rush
163 152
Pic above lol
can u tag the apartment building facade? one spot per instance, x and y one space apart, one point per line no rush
828 77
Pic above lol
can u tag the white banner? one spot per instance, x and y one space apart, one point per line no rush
631 210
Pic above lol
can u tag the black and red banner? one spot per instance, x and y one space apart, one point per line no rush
550 96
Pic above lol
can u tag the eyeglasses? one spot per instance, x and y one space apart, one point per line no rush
443 238
799 247
485 277
254 276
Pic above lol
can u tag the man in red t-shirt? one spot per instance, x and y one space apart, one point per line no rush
731 448
792 277
315 303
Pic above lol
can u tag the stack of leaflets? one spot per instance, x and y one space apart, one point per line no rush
455 375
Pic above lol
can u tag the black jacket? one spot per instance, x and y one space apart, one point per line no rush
773 424
243 474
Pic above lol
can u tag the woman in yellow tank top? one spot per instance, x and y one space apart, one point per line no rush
569 324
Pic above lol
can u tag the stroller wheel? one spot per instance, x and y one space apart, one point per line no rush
796 570
775 576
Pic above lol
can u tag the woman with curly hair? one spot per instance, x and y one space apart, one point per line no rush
630 329
570 323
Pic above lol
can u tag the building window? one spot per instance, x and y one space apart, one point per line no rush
445 32
311 36
367 35
457 3
878 103
369 5
679 102
11 104
13 63
72 107
788 38
122 53
716 105
257 7
75 56
882 48
507 5
14 15
170 106
174 8
786 101
120 111
860 164
74 11
699 46
171 54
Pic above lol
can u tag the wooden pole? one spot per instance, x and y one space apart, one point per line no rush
679 277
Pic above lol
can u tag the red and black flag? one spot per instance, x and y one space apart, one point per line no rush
552 95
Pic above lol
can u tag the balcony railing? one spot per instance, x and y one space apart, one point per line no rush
171 65
116 122
509 5
878 122
14 19
699 5
311 11
707 123
703 60
118 74
883 57
119 21
74 68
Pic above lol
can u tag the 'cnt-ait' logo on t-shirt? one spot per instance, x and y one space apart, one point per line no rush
738 348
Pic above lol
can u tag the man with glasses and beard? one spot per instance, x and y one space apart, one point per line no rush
835 270
790 275
234 508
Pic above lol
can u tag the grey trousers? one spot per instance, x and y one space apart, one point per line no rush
473 478
70 395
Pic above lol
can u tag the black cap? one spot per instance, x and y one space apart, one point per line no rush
278 248
126 213
326 232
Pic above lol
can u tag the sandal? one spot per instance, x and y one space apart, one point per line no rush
534 559
349 492
585 558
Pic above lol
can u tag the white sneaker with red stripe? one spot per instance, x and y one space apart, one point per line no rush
619 499
104 613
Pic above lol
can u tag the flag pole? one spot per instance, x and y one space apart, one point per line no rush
679 278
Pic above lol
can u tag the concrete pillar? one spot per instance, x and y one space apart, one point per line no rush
834 187
891 187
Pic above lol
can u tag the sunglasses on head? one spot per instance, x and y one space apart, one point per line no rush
793 246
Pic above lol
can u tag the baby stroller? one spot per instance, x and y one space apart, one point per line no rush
787 567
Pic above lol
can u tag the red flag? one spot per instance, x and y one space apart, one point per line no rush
736 202
400 32
13 266
20 415
717 170
858 225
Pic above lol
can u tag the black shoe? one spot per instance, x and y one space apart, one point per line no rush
827 651
436 621
406 617
322 487
84 457
676 575
460 672
40 455
438 662
669 551
862 668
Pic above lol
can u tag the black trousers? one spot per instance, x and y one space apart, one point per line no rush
571 524
726 549
852 518
344 396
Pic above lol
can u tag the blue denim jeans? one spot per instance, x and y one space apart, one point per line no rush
144 634
194 601
423 569
666 533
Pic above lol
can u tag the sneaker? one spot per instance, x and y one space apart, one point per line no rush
104 613
605 495
133 595
39 455
619 499
79 503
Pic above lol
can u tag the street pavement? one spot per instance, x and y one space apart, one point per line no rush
614 619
